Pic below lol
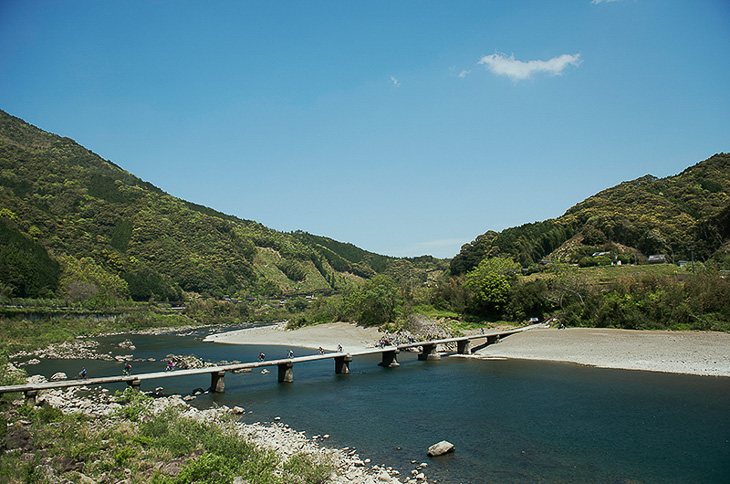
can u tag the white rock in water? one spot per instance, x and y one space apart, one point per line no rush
238 410
59 376
441 448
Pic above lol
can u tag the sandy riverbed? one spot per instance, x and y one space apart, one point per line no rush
674 352
328 336
666 351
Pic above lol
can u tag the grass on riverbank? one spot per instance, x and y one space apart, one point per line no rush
43 444
22 334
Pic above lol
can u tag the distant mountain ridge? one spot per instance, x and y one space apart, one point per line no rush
61 203
684 216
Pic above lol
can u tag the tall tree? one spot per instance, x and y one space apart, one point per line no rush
491 282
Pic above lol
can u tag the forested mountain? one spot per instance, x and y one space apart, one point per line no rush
74 225
682 216
72 222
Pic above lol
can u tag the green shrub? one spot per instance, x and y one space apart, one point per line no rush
121 456
303 469
209 469
47 414
135 404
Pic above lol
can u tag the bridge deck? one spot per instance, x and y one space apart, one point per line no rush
129 379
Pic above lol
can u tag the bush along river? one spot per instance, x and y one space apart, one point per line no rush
510 420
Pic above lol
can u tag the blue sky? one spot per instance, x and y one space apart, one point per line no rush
403 127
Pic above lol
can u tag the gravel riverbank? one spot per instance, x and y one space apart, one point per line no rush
349 467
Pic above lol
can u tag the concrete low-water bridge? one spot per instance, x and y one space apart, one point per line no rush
285 366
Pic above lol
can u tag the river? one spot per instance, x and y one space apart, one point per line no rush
510 420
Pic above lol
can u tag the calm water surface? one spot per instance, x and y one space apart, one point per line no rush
511 421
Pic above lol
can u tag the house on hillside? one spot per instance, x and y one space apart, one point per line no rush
657 259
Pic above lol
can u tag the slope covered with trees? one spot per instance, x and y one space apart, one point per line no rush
71 222
613 260
683 216
79 229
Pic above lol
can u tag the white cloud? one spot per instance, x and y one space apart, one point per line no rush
454 72
395 81
518 70
596 2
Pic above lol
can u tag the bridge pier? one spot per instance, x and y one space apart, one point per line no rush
463 347
286 372
135 384
390 359
30 397
218 382
429 352
342 364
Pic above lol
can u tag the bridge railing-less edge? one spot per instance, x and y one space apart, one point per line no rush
285 366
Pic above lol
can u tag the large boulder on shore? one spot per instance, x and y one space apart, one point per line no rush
441 448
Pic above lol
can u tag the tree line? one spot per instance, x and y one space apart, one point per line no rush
497 290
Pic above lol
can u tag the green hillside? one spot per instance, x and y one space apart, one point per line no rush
72 223
682 216
83 234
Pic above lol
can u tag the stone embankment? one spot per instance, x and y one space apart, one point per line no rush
276 435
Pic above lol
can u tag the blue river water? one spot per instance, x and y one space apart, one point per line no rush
510 420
